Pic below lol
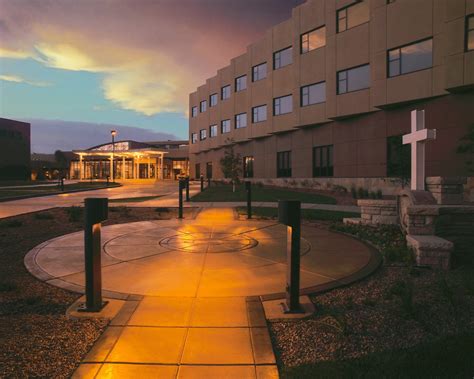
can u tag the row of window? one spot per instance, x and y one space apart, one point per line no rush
398 161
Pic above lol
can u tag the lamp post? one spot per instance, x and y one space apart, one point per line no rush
113 133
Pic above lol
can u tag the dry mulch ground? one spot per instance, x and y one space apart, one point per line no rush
397 308
36 338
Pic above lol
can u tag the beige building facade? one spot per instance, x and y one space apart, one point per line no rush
328 93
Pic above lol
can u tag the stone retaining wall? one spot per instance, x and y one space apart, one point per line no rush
446 190
378 212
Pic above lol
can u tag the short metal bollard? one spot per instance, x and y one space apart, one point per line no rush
248 188
62 184
208 182
182 185
289 214
96 211
187 189
202 183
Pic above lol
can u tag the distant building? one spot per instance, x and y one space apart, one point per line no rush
131 161
51 166
14 150
328 93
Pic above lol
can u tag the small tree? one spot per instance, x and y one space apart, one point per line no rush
231 163
61 160
466 147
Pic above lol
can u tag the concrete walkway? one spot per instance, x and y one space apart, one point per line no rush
166 190
191 291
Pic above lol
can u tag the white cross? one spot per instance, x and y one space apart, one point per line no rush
417 139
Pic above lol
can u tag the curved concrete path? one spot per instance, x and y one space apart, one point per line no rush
190 286
211 256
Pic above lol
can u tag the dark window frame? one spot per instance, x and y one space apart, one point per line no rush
307 86
192 111
205 106
253 72
208 170
236 81
253 113
246 171
222 92
222 126
278 98
344 9
388 61
194 138
326 170
285 170
210 99
201 138
210 131
308 33
279 51
236 124
467 31
346 79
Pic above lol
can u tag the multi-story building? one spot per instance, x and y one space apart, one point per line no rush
328 93
14 150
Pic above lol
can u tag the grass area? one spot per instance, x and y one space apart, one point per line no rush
12 183
448 357
307 214
6 193
134 199
223 192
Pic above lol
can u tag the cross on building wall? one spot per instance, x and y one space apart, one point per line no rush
417 139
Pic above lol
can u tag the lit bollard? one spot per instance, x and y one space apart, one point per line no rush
187 189
62 184
96 211
248 188
182 185
289 214
202 183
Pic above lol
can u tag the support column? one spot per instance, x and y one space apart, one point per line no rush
112 168
149 168
81 169
162 166
123 168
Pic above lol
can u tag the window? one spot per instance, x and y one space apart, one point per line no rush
284 164
282 105
194 137
353 15
209 170
409 58
240 120
241 83
202 134
313 94
259 113
203 106
322 161
197 170
353 79
248 167
225 92
282 58
470 32
313 40
225 126
398 157
213 100
194 111
213 131
259 72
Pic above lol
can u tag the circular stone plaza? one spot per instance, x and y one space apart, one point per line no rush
189 298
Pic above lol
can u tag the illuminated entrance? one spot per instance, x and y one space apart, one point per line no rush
121 161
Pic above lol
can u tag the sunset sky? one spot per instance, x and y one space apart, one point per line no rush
120 62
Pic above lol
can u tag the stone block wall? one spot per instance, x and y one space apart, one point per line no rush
378 212
446 190
421 219
431 251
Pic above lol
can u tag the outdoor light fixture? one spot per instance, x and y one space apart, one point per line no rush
113 133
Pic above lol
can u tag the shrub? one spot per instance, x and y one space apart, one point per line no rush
404 290
75 213
339 188
379 194
44 216
366 193
399 253
354 193
11 224
373 195
360 193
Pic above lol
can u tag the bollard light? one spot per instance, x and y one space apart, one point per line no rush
248 188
